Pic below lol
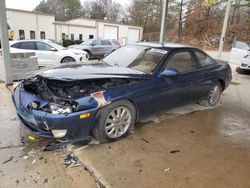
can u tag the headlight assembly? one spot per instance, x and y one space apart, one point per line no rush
60 109
78 53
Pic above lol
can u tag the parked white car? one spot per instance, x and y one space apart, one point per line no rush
240 54
47 52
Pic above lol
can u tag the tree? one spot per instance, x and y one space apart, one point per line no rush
102 10
63 9
146 13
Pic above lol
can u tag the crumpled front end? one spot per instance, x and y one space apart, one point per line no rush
51 125
61 109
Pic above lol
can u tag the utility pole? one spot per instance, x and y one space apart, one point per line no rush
224 29
5 43
163 20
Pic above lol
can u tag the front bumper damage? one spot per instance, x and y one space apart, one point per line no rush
72 126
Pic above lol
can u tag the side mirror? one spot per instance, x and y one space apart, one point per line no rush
169 72
53 49
92 44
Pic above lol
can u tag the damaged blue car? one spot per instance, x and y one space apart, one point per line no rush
106 99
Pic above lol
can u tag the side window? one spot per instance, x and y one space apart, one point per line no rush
16 45
182 61
27 45
43 47
204 60
241 45
97 42
106 42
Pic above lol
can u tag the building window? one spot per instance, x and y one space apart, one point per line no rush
72 37
63 36
80 36
21 34
91 36
32 35
42 35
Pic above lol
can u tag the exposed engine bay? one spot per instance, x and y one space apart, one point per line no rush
64 93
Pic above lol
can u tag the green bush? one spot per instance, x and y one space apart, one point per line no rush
67 42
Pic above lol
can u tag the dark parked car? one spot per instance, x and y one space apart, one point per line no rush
106 99
96 48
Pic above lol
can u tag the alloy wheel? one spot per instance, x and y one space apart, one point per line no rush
118 122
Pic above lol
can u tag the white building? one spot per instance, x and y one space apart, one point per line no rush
33 25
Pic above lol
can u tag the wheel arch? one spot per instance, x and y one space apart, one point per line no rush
223 84
132 102
86 50
67 57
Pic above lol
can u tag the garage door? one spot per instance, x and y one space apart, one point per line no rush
133 35
110 32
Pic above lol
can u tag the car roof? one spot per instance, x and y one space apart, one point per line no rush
166 45
30 40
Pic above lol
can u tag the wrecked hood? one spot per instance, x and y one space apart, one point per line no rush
86 71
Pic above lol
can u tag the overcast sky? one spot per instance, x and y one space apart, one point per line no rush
31 4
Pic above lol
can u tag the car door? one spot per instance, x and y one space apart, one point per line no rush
239 51
46 54
205 72
177 89
106 46
96 48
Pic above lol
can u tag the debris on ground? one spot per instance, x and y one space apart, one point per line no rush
45 180
34 161
71 161
25 157
8 160
174 151
143 139
192 131
167 169
55 146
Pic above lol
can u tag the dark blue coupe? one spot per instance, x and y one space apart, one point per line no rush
105 99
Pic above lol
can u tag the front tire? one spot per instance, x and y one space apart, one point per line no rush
213 96
87 55
68 60
114 121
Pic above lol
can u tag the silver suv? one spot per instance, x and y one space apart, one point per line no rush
97 48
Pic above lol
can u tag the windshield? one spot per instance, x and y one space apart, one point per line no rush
140 58
57 46
87 42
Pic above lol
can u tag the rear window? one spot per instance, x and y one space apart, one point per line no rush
106 42
241 45
204 59
115 42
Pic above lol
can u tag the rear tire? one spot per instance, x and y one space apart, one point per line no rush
213 96
114 121
68 60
